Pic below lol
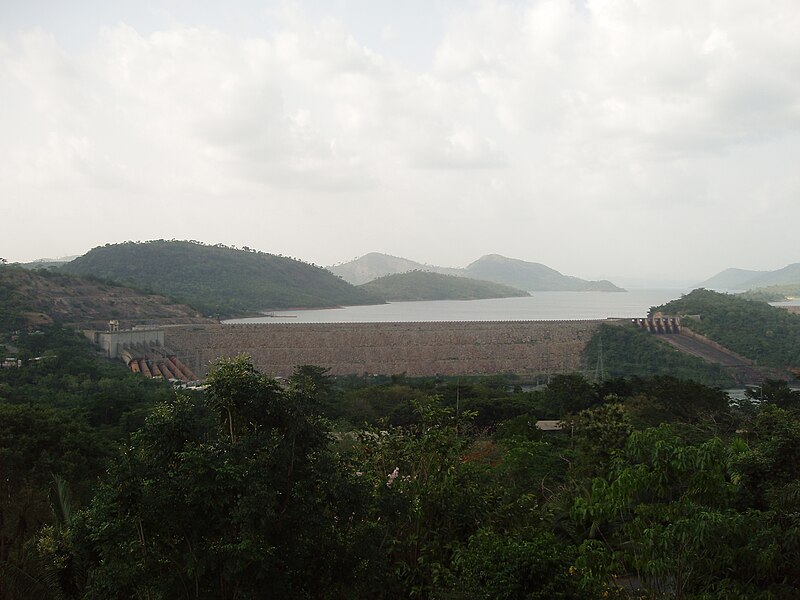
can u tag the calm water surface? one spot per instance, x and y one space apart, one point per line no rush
539 306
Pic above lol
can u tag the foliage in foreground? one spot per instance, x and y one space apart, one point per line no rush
250 492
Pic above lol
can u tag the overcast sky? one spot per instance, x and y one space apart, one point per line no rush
604 138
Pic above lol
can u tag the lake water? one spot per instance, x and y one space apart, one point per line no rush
547 306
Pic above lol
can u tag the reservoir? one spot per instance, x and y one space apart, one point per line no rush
540 306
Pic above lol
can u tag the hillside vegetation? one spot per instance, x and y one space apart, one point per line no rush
217 279
629 351
756 330
423 285
38 297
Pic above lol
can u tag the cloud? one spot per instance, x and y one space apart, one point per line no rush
576 120
666 79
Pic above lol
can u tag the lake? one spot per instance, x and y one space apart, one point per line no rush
540 306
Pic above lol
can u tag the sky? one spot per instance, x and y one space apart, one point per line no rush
627 139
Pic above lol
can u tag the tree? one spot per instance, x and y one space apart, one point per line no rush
665 513
777 392
570 394
36 444
426 497
240 508
495 566
241 395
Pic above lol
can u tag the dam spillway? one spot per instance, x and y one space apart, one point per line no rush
524 348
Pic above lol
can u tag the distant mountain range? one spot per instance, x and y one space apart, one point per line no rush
520 274
743 279
374 265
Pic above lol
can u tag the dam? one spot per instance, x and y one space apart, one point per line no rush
523 348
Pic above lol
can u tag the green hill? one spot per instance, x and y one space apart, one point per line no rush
218 279
424 285
753 329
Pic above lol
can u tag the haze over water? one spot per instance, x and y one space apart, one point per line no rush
539 306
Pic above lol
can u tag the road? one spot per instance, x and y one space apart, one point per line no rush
744 372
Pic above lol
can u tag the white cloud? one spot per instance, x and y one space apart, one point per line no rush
568 119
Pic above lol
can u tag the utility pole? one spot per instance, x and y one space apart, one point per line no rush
599 371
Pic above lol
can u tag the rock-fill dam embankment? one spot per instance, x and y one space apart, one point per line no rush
524 348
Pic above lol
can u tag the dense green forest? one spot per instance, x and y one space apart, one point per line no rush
424 285
218 280
753 329
389 487
63 416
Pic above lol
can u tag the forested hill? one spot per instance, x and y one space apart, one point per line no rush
218 279
423 285
753 329
39 297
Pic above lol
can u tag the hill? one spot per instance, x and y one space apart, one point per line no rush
374 265
516 273
730 279
218 279
755 330
39 297
787 275
742 279
531 276
423 285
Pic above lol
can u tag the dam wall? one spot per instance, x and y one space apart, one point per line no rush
417 349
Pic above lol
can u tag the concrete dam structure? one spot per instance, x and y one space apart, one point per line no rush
524 348
142 350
